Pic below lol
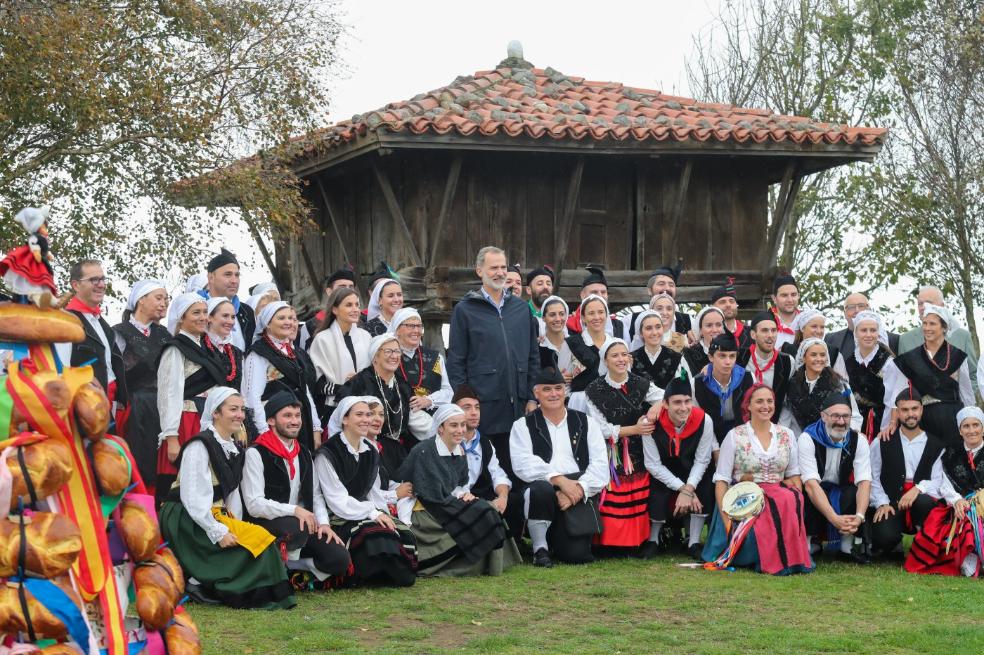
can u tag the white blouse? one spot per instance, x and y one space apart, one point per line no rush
195 480
257 371
609 430
742 451
171 374
337 498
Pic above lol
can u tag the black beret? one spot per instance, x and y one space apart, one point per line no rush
669 271
723 343
222 259
382 272
464 391
595 276
762 316
678 387
725 290
278 401
834 398
546 269
549 375
344 273
782 281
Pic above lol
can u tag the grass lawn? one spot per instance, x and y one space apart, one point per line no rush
623 606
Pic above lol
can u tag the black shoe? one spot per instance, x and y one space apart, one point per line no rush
197 594
542 558
853 558
696 552
650 550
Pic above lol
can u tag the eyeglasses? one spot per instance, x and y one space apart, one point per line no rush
389 352
94 280
857 307
412 326
839 417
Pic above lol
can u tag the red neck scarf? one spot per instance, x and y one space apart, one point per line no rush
780 325
760 372
272 442
694 421
739 328
77 305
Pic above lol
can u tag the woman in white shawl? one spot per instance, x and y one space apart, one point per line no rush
340 348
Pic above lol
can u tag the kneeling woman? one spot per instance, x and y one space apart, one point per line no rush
457 533
347 466
950 540
225 558
762 452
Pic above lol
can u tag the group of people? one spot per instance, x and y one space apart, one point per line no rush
342 450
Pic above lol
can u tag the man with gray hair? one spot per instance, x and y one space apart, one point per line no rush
957 336
494 348
843 340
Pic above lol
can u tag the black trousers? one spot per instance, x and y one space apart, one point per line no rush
501 442
661 499
544 507
940 420
887 534
816 523
330 558
513 516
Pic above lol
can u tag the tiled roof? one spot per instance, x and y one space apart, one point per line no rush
545 104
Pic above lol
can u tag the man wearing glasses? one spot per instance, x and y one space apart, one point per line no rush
99 348
843 340
835 466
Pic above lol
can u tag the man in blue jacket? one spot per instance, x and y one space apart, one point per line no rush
494 348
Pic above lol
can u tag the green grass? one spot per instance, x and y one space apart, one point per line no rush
622 606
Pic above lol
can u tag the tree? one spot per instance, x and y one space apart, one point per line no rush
104 105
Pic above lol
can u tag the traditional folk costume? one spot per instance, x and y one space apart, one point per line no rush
584 349
873 378
203 506
613 326
375 323
350 482
187 371
573 448
898 465
660 366
624 505
799 323
422 368
336 356
773 369
740 331
26 269
99 349
722 403
274 365
805 396
777 544
559 357
141 345
945 545
454 538
676 456
245 326
277 480
943 380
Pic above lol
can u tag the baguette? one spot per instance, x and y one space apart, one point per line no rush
28 323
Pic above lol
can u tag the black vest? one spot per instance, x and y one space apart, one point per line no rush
231 359
662 370
696 358
805 404
577 430
780 376
892 473
622 409
927 378
212 373
422 370
358 477
375 327
589 358
298 378
711 404
228 469
868 387
247 323
483 487
965 480
93 352
141 355
276 478
846 467
679 465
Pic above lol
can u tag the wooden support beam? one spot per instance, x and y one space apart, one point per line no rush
396 213
309 266
267 257
780 214
450 186
566 220
334 217
787 211
679 202
639 215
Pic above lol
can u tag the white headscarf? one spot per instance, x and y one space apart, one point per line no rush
377 343
344 405
373 311
555 299
805 316
702 313
805 345
401 315
32 218
637 340
442 414
178 307
609 342
584 328
972 411
196 283
263 287
263 320
944 315
216 396
213 303
875 318
141 289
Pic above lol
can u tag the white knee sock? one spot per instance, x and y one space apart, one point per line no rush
654 528
538 532
696 527
969 566
847 543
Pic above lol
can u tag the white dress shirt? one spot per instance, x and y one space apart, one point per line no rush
257 371
336 496
531 468
195 480
947 492
64 350
254 485
912 452
609 430
702 458
831 473
475 463
171 374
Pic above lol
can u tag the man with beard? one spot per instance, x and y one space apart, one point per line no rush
836 472
539 287
494 348
785 307
514 280
725 298
664 280
279 493
906 472
763 360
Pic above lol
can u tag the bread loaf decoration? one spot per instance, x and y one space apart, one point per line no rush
45 624
26 323
92 410
139 531
53 544
181 637
111 466
160 586
49 466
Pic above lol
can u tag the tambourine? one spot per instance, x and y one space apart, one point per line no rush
743 501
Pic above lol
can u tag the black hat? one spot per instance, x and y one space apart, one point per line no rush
344 273
464 391
678 387
514 268
596 275
382 272
278 401
726 290
782 281
762 316
549 375
834 398
223 258
669 271
723 343
546 269
909 393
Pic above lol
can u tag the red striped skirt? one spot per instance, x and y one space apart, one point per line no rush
929 553
625 512
189 426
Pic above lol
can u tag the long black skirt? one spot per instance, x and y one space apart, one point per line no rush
379 554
